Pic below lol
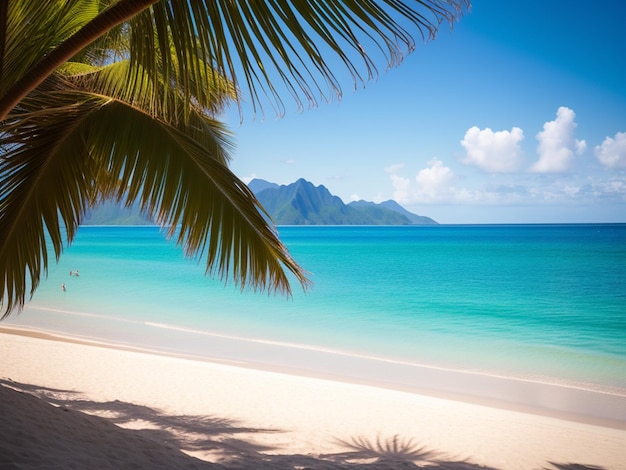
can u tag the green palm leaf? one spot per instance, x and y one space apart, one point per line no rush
120 97
254 43
84 134
72 146
259 43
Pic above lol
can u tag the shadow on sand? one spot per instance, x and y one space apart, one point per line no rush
62 428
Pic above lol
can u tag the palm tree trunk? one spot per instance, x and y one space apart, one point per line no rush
109 18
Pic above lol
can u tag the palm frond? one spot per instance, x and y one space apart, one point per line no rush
263 41
136 87
209 210
46 181
263 45
34 28
66 146
259 43
132 114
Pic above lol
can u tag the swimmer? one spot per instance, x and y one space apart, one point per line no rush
63 287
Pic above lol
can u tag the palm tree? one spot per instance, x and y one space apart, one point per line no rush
119 98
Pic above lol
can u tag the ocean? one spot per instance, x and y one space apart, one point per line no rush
543 303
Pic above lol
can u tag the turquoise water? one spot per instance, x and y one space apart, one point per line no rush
542 302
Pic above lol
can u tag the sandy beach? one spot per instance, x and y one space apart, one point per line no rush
69 404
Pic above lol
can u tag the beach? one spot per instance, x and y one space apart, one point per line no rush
101 406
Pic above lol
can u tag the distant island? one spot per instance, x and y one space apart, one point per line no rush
303 203
298 203
111 212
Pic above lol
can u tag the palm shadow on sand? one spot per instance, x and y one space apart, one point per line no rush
572 466
64 421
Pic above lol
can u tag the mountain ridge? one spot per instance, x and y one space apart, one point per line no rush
299 203
303 203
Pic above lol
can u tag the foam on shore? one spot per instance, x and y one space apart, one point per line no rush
605 407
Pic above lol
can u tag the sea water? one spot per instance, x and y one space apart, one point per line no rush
537 302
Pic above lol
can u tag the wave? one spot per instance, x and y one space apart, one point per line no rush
85 314
591 387
339 352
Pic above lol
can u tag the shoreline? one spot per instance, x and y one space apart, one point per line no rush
599 408
220 349
243 417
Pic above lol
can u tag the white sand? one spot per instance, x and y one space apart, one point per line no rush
249 419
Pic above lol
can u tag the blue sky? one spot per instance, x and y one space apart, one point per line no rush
516 115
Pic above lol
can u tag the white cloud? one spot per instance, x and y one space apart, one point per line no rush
612 152
432 184
437 184
401 188
557 144
495 152
434 181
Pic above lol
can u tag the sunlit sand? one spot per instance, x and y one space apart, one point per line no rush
154 410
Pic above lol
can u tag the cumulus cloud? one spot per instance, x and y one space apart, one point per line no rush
612 152
434 180
401 188
557 144
401 185
434 183
495 152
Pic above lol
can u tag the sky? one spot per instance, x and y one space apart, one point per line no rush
515 115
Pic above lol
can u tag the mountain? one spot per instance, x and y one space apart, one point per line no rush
302 203
111 212
299 203
394 206
257 185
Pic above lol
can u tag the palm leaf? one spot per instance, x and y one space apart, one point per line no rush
255 44
85 134
144 129
44 173
34 28
292 43
67 147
